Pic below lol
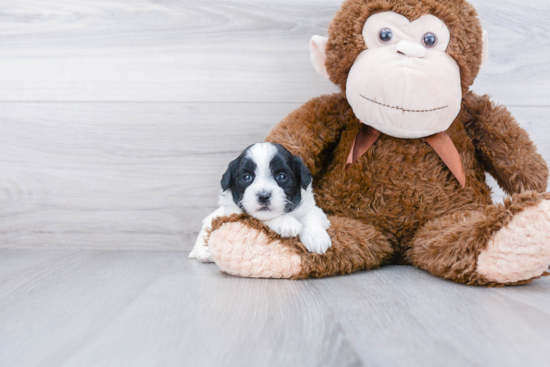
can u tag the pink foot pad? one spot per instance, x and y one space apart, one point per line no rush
248 252
521 250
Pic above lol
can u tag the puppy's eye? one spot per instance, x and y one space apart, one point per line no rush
281 177
385 35
247 178
429 40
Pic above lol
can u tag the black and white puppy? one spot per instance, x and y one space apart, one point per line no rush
269 183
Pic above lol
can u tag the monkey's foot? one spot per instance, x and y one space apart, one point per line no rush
243 250
521 250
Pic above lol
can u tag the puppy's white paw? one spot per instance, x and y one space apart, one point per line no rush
315 239
201 253
286 226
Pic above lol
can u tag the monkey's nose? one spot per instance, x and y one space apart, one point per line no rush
411 49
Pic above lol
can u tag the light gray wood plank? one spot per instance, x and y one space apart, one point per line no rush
399 310
534 296
121 308
513 26
56 309
222 50
161 51
16 272
204 318
118 176
132 175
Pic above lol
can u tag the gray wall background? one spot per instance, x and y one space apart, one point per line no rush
117 118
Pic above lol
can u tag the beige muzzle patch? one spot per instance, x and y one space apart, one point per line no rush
400 86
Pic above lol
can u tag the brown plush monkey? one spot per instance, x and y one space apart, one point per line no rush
399 157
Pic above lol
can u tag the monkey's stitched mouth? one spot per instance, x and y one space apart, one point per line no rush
401 108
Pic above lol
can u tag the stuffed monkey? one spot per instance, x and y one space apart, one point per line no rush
399 157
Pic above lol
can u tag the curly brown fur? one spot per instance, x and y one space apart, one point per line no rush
450 245
346 40
310 130
400 185
356 246
369 191
505 149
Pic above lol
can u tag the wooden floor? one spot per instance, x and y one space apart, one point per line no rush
117 119
143 308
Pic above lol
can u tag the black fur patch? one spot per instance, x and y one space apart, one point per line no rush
298 175
232 178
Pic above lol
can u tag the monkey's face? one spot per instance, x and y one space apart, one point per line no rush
404 78
405 84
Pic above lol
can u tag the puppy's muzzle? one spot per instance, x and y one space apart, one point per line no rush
263 198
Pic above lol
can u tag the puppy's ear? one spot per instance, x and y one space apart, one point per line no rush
302 173
229 175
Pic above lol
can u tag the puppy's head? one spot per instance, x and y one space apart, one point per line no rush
266 180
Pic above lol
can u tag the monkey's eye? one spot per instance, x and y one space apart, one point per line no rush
385 35
429 40
247 178
281 177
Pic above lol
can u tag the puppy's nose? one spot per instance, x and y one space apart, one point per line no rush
263 197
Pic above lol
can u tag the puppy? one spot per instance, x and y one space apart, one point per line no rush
269 183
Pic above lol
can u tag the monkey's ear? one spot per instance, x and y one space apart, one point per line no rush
485 52
317 47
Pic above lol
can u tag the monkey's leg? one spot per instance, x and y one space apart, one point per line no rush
503 244
244 246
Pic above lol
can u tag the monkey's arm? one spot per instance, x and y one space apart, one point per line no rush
312 128
506 150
